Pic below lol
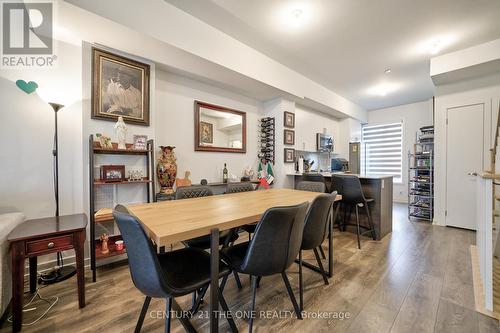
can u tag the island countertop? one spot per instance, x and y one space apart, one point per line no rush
375 186
329 174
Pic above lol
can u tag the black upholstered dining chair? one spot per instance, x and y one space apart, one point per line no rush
202 242
273 248
242 187
315 231
239 187
167 275
311 186
353 196
313 177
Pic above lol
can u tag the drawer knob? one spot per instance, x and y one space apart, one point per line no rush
50 245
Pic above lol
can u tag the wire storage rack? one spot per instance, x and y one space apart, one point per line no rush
421 176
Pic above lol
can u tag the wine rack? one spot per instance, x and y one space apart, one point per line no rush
267 140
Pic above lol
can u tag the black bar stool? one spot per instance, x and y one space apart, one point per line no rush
352 196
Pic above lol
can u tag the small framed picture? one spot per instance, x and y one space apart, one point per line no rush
289 119
112 173
289 155
289 137
140 142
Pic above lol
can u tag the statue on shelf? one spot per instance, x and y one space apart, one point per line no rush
104 243
180 182
121 133
166 169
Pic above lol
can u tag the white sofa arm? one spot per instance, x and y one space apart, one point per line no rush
8 221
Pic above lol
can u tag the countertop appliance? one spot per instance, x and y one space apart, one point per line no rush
324 142
339 164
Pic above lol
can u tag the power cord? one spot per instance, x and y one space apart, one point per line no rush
55 299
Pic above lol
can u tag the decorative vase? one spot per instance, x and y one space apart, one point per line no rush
166 169
121 133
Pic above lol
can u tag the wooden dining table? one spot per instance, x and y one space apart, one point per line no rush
169 222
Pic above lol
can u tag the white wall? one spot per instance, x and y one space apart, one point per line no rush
485 90
413 116
309 122
175 96
27 129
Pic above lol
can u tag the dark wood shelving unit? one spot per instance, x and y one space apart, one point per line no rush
105 215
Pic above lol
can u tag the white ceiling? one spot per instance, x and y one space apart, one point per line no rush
347 44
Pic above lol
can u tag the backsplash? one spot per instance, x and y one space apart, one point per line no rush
323 160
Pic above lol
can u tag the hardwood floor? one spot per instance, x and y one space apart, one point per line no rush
419 278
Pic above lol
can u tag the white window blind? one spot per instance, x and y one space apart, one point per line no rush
382 150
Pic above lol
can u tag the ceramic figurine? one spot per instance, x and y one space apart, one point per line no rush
166 169
121 133
248 172
104 243
180 182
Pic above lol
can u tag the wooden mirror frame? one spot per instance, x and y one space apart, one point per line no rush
198 147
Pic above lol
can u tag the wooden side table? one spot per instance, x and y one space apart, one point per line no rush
43 236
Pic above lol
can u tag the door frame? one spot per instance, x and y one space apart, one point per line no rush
487 108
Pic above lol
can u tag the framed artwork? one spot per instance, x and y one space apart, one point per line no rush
289 119
206 133
140 142
112 173
289 155
120 87
289 137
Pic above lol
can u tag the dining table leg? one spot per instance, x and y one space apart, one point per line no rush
330 240
214 281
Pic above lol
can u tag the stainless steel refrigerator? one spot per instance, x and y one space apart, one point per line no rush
355 157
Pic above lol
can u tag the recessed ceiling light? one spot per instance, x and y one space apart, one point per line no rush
387 71
297 13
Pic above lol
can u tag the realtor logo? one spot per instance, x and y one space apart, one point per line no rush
27 30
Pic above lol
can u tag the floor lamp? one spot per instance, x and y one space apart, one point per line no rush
62 272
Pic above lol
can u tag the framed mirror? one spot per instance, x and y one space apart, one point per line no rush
219 129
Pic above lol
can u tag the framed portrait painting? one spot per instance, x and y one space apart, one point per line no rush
206 133
289 137
120 87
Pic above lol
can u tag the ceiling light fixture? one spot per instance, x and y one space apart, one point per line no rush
387 71
297 13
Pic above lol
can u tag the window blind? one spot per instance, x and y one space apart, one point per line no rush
382 150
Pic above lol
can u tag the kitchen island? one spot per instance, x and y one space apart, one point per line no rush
377 187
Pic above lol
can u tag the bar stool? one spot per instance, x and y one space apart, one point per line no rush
352 196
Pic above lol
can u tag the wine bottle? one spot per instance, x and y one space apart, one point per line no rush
224 174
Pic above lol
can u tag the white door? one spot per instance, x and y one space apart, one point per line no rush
465 149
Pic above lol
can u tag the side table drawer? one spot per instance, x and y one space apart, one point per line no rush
49 244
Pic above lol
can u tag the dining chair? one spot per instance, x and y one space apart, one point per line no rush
311 186
239 187
203 242
273 248
167 275
313 177
353 196
315 232
242 187
336 185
